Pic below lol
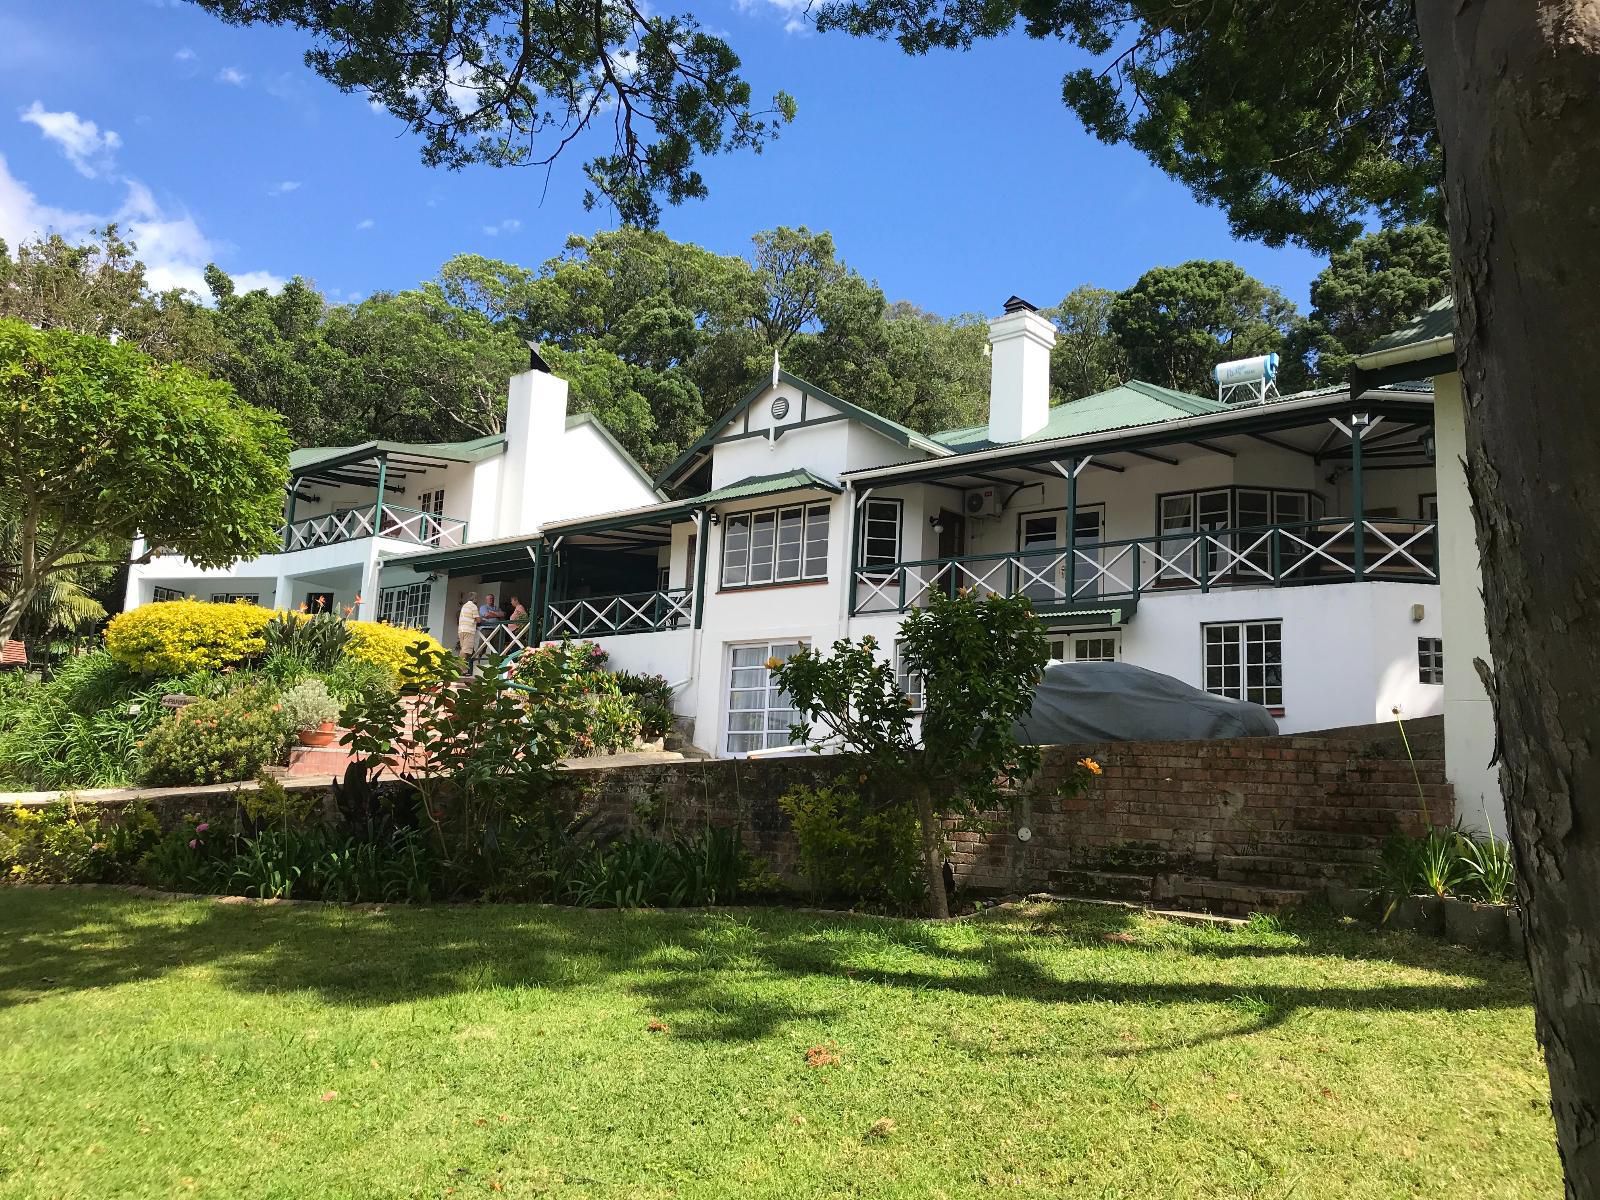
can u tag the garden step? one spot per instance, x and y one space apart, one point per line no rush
1104 885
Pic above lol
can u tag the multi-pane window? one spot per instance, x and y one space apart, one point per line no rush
880 535
406 605
431 504
1102 648
910 681
1245 661
775 545
760 715
1430 660
166 593
236 597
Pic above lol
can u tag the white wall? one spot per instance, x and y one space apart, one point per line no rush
587 476
1469 714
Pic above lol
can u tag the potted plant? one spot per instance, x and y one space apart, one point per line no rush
1476 914
310 711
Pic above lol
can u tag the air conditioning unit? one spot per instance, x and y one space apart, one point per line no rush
981 502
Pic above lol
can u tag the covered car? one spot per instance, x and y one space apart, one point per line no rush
1119 702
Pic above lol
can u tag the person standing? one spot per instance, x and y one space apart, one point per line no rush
467 629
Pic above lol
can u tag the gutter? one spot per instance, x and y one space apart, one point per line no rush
1414 352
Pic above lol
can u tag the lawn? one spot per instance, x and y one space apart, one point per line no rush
156 1048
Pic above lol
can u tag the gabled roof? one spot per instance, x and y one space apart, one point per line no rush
892 430
1438 323
766 485
1122 407
469 451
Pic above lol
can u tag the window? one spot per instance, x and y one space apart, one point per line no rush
432 502
1430 660
1087 647
1245 661
775 545
236 597
910 681
880 535
759 714
166 593
406 605
1428 506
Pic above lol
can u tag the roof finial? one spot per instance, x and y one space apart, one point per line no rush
774 366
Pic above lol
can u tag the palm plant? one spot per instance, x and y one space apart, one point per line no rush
64 606
1488 869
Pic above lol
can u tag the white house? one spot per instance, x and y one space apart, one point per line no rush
1279 549
1425 349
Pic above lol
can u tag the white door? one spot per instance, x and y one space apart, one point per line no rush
1044 574
1177 529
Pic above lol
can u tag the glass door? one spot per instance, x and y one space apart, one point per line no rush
1215 511
1255 514
1290 508
1040 540
1088 528
1177 521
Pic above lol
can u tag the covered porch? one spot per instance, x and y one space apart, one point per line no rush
1304 491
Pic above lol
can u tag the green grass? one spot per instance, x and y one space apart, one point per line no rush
153 1048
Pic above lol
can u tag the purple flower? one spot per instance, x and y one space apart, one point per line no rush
202 827
193 845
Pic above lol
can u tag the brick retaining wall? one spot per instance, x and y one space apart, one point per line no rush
1229 826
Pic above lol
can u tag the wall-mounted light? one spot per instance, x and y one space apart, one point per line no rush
937 523
714 517
1429 447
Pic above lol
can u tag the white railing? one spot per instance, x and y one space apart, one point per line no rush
638 612
505 638
350 524
1308 552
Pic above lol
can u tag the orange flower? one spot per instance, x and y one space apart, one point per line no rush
1089 765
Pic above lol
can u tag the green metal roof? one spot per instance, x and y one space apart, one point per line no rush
1438 322
469 451
1122 407
766 485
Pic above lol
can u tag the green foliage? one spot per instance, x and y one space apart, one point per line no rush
1445 862
63 843
1176 323
1087 357
215 741
355 678
854 849
175 637
394 648
652 698
646 872
1488 869
307 705
103 444
574 692
320 640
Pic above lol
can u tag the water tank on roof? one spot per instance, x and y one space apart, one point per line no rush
1246 378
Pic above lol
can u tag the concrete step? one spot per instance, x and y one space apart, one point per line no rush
1102 885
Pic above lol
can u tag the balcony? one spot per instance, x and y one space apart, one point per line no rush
638 612
351 524
1056 579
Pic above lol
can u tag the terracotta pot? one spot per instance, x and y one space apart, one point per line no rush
323 735
1468 923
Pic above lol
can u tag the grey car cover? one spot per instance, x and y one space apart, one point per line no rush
1118 702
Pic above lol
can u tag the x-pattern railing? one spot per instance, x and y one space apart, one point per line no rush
505 638
638 612
350 524
1306 552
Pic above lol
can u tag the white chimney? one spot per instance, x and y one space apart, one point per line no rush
1019 372
531 469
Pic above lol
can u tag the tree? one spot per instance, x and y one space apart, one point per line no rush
1299 120
1087 357
101 444
1376 285
979 661
1177 323
511 82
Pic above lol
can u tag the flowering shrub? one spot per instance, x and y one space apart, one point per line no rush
215 741
176 637
652 696
569 681
57 844
387 646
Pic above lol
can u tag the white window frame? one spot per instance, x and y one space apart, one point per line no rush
911 683
160 595
751 686
1065 647
762 533
1430 661
235 597
872 515
1251 640
402 599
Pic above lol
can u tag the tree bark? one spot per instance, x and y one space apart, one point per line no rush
932 866
1517 87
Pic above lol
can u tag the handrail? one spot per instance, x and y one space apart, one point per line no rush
399 523
1291 553
631 612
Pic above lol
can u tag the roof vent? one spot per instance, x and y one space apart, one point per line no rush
1018 304
1247 380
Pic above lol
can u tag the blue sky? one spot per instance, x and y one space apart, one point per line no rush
954 180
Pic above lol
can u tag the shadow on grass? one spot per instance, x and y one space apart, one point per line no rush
711 976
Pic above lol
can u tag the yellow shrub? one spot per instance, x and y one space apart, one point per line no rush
175 637
388 646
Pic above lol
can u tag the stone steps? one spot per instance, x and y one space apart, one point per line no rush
1229 897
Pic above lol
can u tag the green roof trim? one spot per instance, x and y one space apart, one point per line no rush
1122 407
311 457
1438 322
767 485
892 430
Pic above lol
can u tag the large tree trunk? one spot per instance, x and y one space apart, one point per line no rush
1517 88
932 866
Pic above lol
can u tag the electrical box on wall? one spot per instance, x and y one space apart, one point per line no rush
981 502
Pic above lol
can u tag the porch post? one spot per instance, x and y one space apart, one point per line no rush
383 483
1358 426
536 617
1072 530
288 512
855 544
702 552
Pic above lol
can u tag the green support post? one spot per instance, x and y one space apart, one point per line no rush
702 555
288 513
855 546
1072 530
549 588
1358 498
535 592
383 484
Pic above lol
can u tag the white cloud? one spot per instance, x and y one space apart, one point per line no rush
172 246
232 75
184 55
509 225
365 223
284 187
86 146
253 281
796 13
